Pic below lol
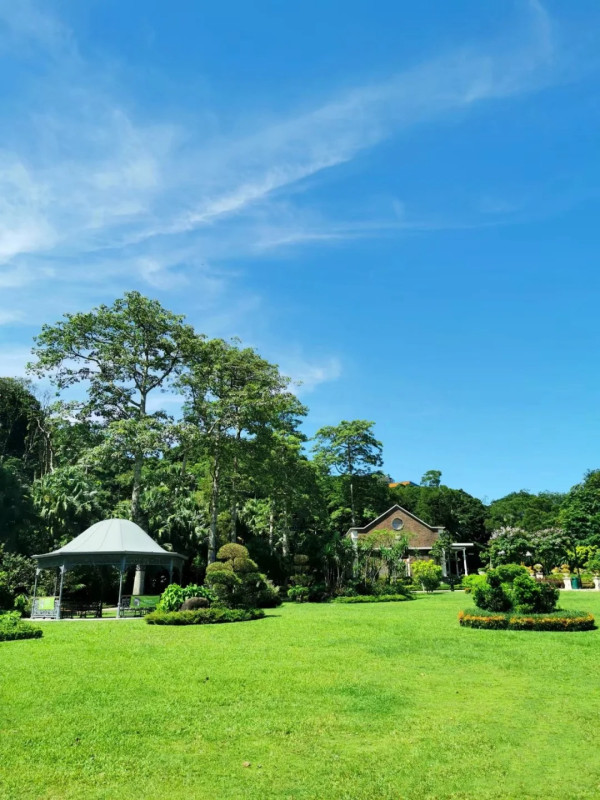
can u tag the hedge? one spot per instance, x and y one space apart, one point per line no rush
204 616
12 628
556 621
373 598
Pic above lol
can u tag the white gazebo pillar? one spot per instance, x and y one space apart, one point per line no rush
139 580
63 569
444 564
121 571
465 560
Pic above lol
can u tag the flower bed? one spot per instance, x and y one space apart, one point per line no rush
204 616
555 621
13 627
373 598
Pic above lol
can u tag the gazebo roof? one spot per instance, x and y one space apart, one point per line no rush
111 541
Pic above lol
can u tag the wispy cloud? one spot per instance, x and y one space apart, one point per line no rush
95 197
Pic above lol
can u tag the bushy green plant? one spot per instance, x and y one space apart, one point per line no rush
13 627
427 573
471 582
530 596
174 595
298 593
235 580
171 599
204 616
508 572
492 596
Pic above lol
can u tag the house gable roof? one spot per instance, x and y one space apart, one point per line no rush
393 510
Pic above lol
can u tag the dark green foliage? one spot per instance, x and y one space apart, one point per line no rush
508 572
204 616
492 596
556 621
16 578
526 511
13 627
530 596
174 596
298 593
523 595
231 552
372 598
236 581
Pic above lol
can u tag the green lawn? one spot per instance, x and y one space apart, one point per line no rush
325 701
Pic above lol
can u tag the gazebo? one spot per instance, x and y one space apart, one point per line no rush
112 542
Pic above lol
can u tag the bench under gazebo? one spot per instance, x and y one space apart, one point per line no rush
112 542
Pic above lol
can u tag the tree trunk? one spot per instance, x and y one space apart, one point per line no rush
352 510
214 512
271 527
285 542
137 489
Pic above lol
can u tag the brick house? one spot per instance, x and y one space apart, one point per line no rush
421 538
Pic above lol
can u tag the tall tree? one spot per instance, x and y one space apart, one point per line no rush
350 449
432 478
233 395
123 354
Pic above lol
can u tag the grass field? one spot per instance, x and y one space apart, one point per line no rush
325 701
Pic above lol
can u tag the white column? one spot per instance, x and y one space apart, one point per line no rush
120 589
465 560
62 577
37 572
139 580
444 564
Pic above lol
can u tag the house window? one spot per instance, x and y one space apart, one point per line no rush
397 524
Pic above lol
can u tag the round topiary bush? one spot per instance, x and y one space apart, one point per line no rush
231 551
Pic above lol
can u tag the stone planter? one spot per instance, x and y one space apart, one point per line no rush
567 582
597 583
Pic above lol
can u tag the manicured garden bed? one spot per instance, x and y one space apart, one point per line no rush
559 620
386 701
203 616
373 598
13 628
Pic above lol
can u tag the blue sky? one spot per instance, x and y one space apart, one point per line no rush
395 201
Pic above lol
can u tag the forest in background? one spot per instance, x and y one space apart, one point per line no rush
234 465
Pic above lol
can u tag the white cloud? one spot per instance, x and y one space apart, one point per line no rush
307 374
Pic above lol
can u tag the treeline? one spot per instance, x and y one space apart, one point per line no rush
230 464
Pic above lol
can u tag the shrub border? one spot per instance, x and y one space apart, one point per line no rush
563 621
373 598
204 616
21 633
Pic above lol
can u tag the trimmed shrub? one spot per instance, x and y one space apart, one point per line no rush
470 582
373 598
204 616
298 593
427 573
556 621
491 595
508 572
12 627
236 581
532 597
